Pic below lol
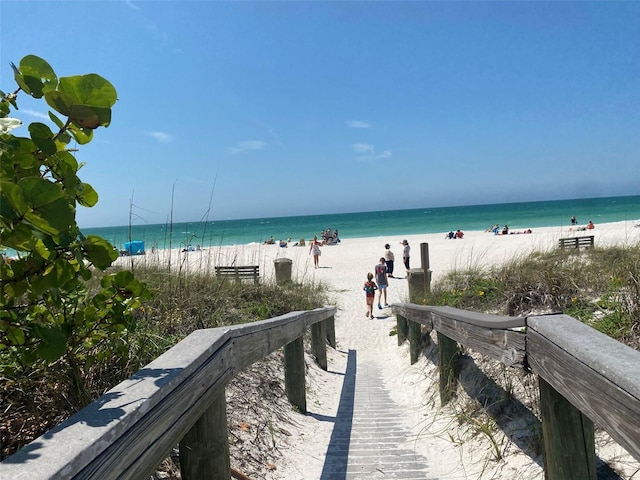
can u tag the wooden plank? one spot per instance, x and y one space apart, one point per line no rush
239 272
569 439
331 331
138 452
256 340
319 344
498 337
597 374
415 341
129 419
576 242
487 335
498 322
204 450
238 268
402 328
448 355
415 313
294 374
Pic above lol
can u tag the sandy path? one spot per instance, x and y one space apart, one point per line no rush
343 269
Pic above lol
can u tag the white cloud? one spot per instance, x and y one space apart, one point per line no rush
358 124
160 136
363 148
33 113
247 145
372 158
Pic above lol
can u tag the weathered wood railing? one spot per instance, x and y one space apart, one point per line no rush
177 398
584 375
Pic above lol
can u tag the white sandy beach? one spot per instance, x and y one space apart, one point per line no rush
343 268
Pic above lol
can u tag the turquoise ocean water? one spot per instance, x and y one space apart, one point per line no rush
368 224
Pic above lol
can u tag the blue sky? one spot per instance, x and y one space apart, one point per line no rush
264 109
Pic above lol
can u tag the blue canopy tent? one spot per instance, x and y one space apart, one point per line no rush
135 247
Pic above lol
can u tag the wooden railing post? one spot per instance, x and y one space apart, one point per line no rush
294 379
204 450
319 344
402 329
331 331
569 439
424 263
415 341
448 353
419 279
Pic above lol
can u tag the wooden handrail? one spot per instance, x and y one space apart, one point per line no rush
501 338
594 372
597 374
129 430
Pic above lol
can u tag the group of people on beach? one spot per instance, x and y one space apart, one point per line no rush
281 243
505 230
382 272
452 235
330 237
574 222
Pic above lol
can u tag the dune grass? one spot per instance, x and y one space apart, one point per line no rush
599 286
36 397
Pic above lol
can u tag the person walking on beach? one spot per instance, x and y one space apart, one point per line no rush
315 251
389 259
406 254
369 288
381 280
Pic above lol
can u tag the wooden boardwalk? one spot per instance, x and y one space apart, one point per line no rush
369 440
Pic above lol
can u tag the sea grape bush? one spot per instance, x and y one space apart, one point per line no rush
47 310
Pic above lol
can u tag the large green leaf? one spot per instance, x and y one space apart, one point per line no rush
91 90
61 272
59 123
15 335
13 205
17 159
59 101
42 136
85 99
53 343
19 237
124 280
99 251
90 117
50 211
86 196
35 76
81 135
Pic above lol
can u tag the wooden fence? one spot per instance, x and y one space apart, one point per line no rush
584 375
177 398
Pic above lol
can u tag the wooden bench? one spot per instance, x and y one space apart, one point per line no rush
239 272
576 242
